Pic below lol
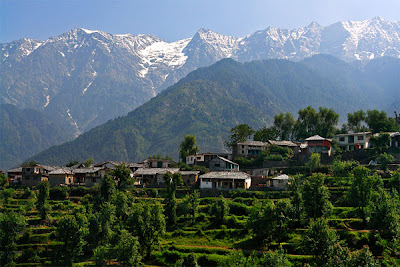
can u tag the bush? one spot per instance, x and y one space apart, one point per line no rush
59 193
238 209
274 157
79 191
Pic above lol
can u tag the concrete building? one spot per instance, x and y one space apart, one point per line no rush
248 148
223 164
61 176
353 141
318 144
225 180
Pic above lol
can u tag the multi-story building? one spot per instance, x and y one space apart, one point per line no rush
353 141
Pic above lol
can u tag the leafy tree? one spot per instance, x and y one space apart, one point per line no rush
284 124
265 134
127 249
191 204
6 194
379 122
385 159
296 199
121 205
172 181
237 258
314 162
343 168
355 121
361 188
71 236
315 197
102 255
11 224
188 147
88 162
328 119
394 182
147 222
107 188
122 174
188 261
319 240
71 163
268 221
306 124
239 133
380 142
3 180
219 210
277 258
385 215
42 200
364 257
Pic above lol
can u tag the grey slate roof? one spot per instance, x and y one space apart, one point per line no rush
19 169
252 143
317 138
282 143
226 175
281 177
155 171
61 171
227 160
189 172
349 134
87 170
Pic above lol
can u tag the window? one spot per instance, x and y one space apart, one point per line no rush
360 137
341 139
217 165
242 146
242 151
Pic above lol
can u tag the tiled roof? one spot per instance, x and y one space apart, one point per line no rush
19 169
317 138
189 172
87 170
252 143
227 160
226 175
61 171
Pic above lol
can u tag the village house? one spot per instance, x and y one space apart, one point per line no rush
280 182
61 176
318 144
289 144
223 164
15 175
395 140
152 176
156 163
225 180
189 178
353 141
248 148
89 176
205 158
33 175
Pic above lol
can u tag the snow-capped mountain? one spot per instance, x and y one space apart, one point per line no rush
86 77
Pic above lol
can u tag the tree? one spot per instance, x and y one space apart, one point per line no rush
127 249
219 210
107 188
385 215
172 181
69 233
306 124
194 201
268 221
88 162
71 163
355 121
188 147
284 124
11 224
380 142
147 222
265 134
3 180
7 194
379 122
239 133
328 119
315 197
385 159
343 168
314 162
394 182
122 174
361 188
296 199
41 203
277 258
319 240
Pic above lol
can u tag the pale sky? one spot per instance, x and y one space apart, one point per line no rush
177 19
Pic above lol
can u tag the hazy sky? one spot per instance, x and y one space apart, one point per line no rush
177 19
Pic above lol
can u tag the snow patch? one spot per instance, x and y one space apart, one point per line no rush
47 101
89 31
62 54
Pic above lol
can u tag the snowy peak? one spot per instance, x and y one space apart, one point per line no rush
17 50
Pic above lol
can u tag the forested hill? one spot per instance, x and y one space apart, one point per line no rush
207 103
23 132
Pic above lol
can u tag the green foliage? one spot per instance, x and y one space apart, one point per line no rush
42 199
70 234
188 147
315 197
6 194
268 221
147 222
385 159
379 122
191 204
284 125
319 240
219 210
122 174
265 134
88 162
127 249
314 162
72 163
394 182
59 192
343 168
355 121
361 189
272 259
107 188
11 224
3 180
172 181
239 133
380 142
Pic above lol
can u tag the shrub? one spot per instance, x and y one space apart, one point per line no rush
238 208
59 193
80 191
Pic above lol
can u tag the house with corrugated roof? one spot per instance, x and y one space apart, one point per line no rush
248 148
318 144
61 176
225 180
152 176
223 164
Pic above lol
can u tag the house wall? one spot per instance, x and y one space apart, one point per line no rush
205 183
349 142
218 164
57 179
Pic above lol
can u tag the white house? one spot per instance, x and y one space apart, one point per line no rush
353 141
279 182
225 180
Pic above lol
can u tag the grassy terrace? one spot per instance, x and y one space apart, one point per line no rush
211 243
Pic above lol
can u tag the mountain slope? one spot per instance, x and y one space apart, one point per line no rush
24 132
207 103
